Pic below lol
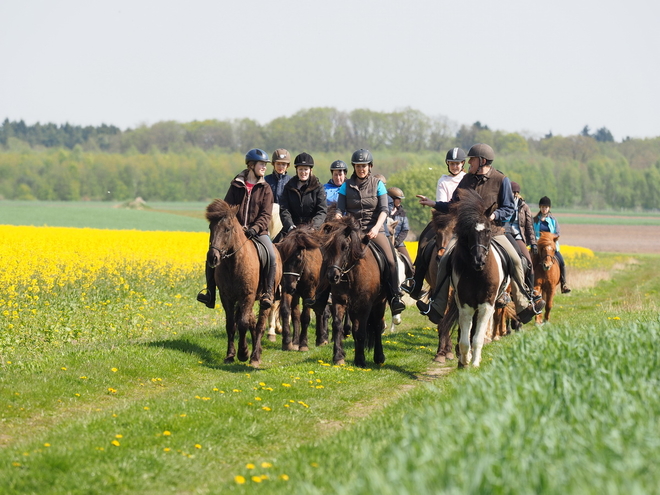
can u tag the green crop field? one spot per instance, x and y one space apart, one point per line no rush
123 389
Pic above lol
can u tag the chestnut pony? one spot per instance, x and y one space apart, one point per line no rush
546 271
302 278
356 287
236 262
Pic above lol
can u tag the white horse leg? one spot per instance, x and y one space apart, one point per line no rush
465 314
484 318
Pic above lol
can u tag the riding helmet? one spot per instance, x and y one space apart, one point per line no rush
256 155
281 155
455 155
545 201
482 151
304 159
395 192
362 156
515 187
338 165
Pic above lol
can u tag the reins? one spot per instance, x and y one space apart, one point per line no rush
229 255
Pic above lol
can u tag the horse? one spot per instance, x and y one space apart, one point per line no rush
443 224
477 273
302 278
355 283
546 271
236 269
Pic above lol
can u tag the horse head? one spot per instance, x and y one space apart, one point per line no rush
226 232
547 248
474 227
443 224
293 250
343 248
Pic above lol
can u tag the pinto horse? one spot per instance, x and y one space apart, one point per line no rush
355 283
546 271
236 264
477 273
302 278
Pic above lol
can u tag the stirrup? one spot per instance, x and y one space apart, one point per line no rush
266 300
565 289
397 305
408 285
205 297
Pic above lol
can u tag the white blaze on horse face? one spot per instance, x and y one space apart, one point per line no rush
480 227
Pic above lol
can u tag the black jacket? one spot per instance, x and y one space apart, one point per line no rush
302 204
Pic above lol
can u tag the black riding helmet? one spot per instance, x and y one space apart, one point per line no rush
338 165
304 159
482 151
362 156
545 201
455 155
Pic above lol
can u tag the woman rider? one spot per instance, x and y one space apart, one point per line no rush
254 197
398 214
544 221
521 228
303 198
338 170
364 197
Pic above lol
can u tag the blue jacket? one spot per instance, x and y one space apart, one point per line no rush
550 224
331 192
277 182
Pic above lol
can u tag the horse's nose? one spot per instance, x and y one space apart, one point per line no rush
212 258
334 276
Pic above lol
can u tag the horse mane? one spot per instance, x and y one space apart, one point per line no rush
469 210
220 209
301 238
441 220
346 227
546 239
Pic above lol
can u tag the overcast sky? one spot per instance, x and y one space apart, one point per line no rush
524 66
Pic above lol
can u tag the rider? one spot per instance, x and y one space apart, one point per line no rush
521 228
279 178
303 198
455 160
398 214
338 170
494 187
544 221
254 198
364 197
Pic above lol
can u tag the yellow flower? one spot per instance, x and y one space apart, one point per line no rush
114 370
166 449
256 479
266 465
166 433
266 408
115 443
198 446
284 477
249 465
119 436
46 445
239 479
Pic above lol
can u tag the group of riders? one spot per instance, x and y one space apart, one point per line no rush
302 200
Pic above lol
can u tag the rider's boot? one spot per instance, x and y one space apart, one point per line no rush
535 307
420 271
565 289
267 297
207 296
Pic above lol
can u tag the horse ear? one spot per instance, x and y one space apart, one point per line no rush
490 210
555 237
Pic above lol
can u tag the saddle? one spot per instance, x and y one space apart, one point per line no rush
507 265
264 261
380 258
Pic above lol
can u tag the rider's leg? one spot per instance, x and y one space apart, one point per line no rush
208 297
414 286
437 305
396 304
404 251
521 294
565 289
529 269
267 297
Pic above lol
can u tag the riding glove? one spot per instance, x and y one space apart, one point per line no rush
251 233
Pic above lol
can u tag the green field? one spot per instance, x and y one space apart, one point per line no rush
571 407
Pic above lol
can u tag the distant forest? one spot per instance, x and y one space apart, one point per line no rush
171 161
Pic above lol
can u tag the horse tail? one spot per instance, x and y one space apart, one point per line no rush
450 319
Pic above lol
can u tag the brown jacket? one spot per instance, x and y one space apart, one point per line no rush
526 223
256 207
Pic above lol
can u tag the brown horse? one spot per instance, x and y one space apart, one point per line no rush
546 271
356 287
302 278
237 271
443 224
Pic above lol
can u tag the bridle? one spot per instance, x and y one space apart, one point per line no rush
225 255
302 268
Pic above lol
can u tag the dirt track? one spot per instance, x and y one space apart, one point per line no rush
613 238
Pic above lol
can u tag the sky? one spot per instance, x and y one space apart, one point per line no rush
518 66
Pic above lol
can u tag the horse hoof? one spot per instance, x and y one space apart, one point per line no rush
449 356
303 348
255 364
439 359
396 319
341 362
229 360
322 343
242 358
287 347
295 347
272 338
461 365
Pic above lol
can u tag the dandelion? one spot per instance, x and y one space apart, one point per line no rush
266 465
146 408
249 465
119 435
198 446
239 479
266 408
46 445
284 477
114 370
63 368
286 384
256 479
262 384
166 449
314 464
166 433
115 443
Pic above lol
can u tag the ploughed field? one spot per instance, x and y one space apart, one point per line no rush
112 380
